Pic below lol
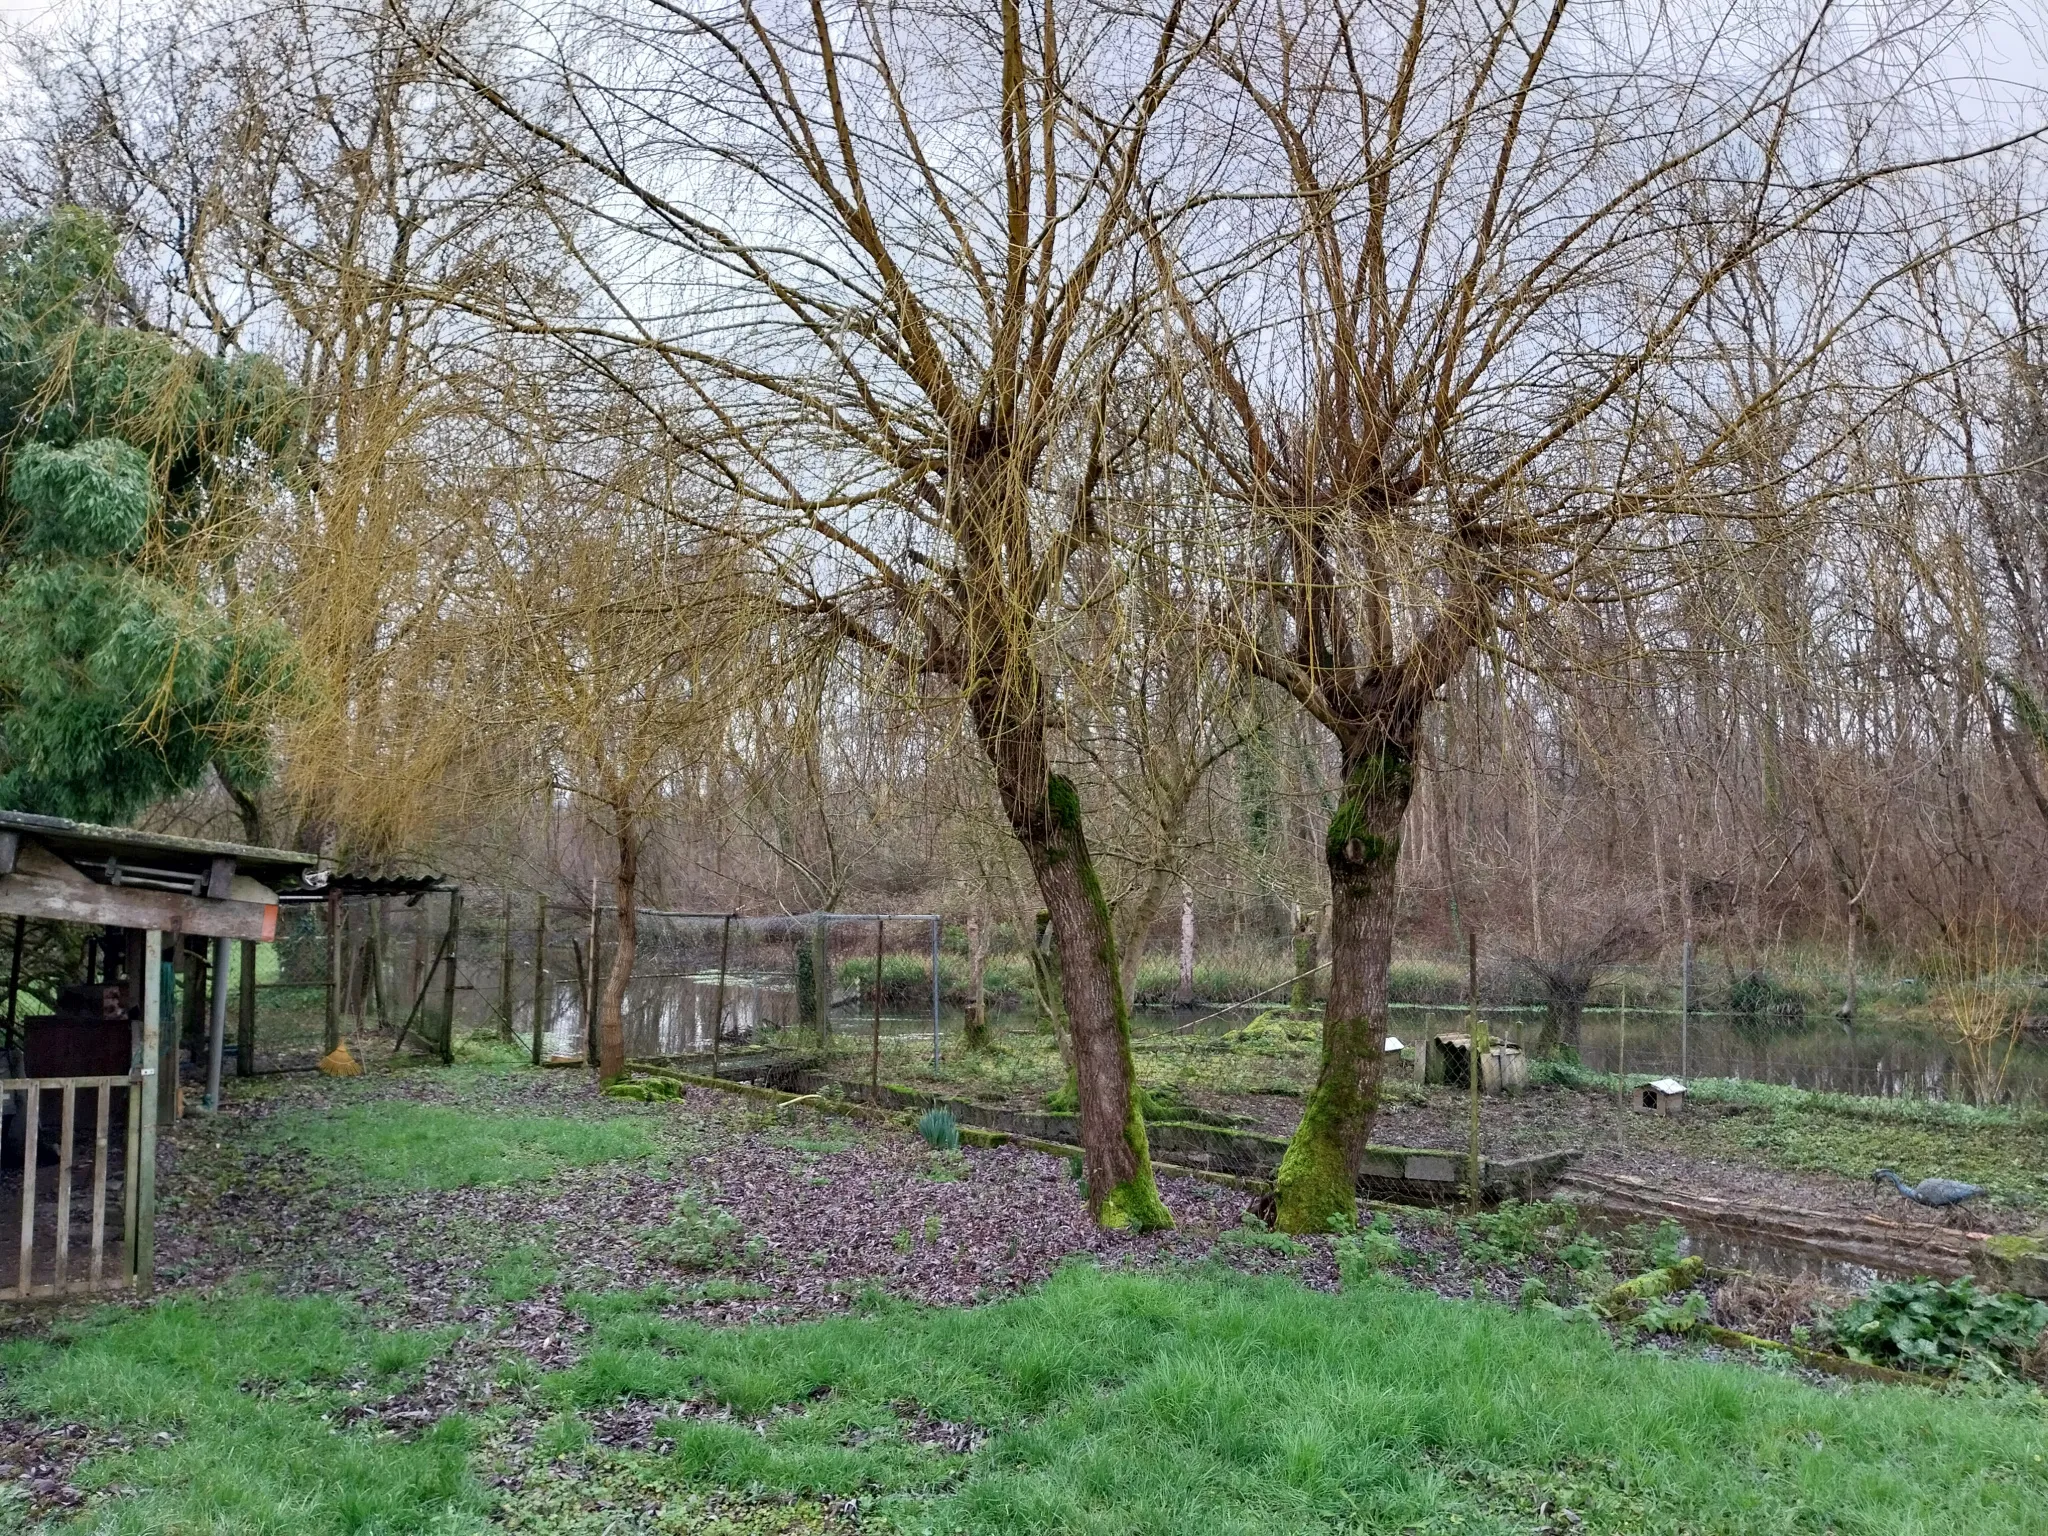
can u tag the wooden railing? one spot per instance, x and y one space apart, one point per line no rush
62 1278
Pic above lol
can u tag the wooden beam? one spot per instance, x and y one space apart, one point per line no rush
10 845
44 886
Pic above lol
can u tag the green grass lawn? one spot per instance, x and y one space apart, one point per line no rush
427 1146
224 1406
1212 1404
1113 1403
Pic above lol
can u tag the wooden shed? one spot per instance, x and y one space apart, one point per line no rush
83 1088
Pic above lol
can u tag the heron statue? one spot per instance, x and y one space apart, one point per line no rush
1938 1193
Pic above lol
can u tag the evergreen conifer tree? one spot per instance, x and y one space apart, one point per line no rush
132 468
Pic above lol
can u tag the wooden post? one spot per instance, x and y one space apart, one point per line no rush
31 1108
331 1039
245 1026
875 1040
590 985
540 977
448 982
505 978
68 1130
99 1181
718 1004
14 980
142 1126
216 1036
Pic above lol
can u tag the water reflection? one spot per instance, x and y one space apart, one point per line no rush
1823 1055
666 1015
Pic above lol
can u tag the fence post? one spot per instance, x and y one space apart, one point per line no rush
935 991
540 977
331 1039
875 1042
448 981
821 978
245 1023
590 986
505 978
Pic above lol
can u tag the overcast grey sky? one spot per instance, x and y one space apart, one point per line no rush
2007 55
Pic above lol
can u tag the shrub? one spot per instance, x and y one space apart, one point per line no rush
1761 997
939 1129
1926 1325
1362 1253
1519 1229
699 1236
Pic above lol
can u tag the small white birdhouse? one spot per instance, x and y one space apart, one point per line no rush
1666 1096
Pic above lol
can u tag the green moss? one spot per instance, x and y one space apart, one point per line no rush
2010 1247
1314 1187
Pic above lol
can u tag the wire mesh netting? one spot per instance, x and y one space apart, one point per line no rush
512 963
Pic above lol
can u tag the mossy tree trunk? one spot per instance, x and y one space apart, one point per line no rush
611 1030
1563 1014
1045 816
1319 1173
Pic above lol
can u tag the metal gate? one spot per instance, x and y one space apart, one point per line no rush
61 1249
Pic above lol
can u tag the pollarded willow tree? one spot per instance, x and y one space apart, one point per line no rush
888 253
1453 361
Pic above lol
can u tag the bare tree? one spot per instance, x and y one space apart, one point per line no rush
1456 394
906 308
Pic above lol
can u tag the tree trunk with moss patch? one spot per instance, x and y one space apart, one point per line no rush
611 1030
1045 815
1318 1176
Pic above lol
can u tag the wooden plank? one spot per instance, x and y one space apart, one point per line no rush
21 1084
31 1108
99 1181
43 885
10 845
68 1122
220 878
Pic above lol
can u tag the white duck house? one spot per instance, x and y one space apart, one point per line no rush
1665 1096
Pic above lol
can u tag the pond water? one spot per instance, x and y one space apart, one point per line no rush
1822 1054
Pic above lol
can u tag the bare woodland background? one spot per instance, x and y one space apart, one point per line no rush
1797 696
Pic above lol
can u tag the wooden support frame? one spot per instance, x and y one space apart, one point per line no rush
41 885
